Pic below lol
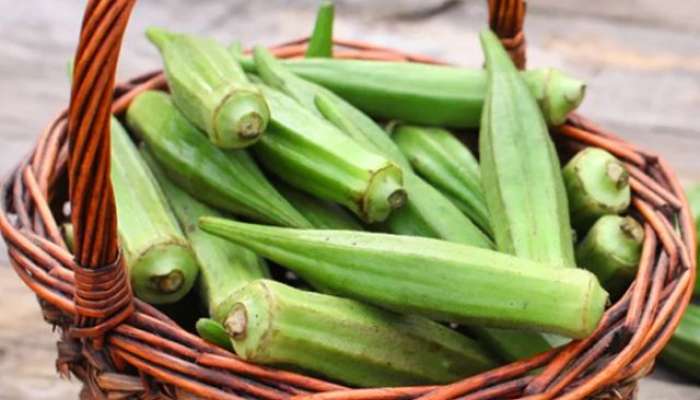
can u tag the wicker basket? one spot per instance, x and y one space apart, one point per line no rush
121 347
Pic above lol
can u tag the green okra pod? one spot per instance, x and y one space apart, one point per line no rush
311 154
229 180
224 267
611 250
429 94
348 341
437 279
162 267
321 214
520 170
213 332
448 165
682 353
321 40
426 212
211 89
68 235
597 184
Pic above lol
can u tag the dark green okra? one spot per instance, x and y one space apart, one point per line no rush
437 279
162 267
682 353
321 40
271 323
429 94
310 154
520 169
321 214
448 165
229 180
224 267
426 212
211 89
611 250
213 332
597 184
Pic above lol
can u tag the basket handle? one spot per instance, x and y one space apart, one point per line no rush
506 18
93 210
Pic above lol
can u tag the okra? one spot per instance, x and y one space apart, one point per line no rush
611 250
694 200
321 40
520 170
213 332
161 265
210 89
346 340
321 214
448 165
229 180
433 278
68 235
682 353
313 155
224 266
597 184
426 212
429 94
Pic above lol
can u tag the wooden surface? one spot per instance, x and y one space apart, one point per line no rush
641 59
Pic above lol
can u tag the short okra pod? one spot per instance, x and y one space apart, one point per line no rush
611 250
597 184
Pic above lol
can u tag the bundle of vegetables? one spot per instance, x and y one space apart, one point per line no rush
327 244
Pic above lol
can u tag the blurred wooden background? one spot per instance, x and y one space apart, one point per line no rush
641 59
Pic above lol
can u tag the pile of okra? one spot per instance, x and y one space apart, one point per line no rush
326 215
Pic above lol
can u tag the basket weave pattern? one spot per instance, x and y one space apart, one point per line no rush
121 347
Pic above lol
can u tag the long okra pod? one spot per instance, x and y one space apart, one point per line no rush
229 180
429 94
437 279
448 165
520 169
224 267
597 184
161 265
694 200
426 212
211 89
271 323
311 154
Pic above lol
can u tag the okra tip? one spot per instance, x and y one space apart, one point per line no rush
158 36
617 174
563 94
384 194
164 274
241 119
632 229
